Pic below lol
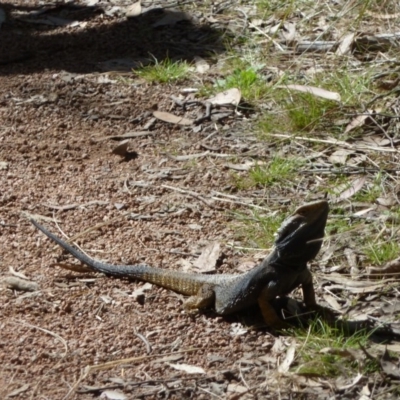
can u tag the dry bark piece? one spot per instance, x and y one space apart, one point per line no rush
76 205
353 286
18 391
316 91
189 369
208 258
340 156
171 118
15 283
228 97
318 46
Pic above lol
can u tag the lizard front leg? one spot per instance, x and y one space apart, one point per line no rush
270 316
311 303
204 298
308 291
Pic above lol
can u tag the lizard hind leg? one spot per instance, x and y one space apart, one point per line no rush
270 316
204 298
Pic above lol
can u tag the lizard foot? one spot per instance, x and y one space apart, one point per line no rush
326 314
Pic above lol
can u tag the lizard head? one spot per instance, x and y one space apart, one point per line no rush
299 238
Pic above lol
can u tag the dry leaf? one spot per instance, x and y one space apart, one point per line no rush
57 21
389 366
228 97
208 258
171 18
237 330
289 31
287 362
364 212
358 121
190 369
189 156
113 395
3 165
202 65
139 293
332 302
246 166
388 201
325 94
236 388
122 148
133 10
345 44
348 353
340 156
354 382
355 187
171 118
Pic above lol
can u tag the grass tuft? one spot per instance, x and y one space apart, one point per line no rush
327 351
166 71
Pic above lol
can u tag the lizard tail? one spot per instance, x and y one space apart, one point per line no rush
90 262
180 282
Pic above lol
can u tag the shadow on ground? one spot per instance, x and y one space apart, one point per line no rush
96 42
